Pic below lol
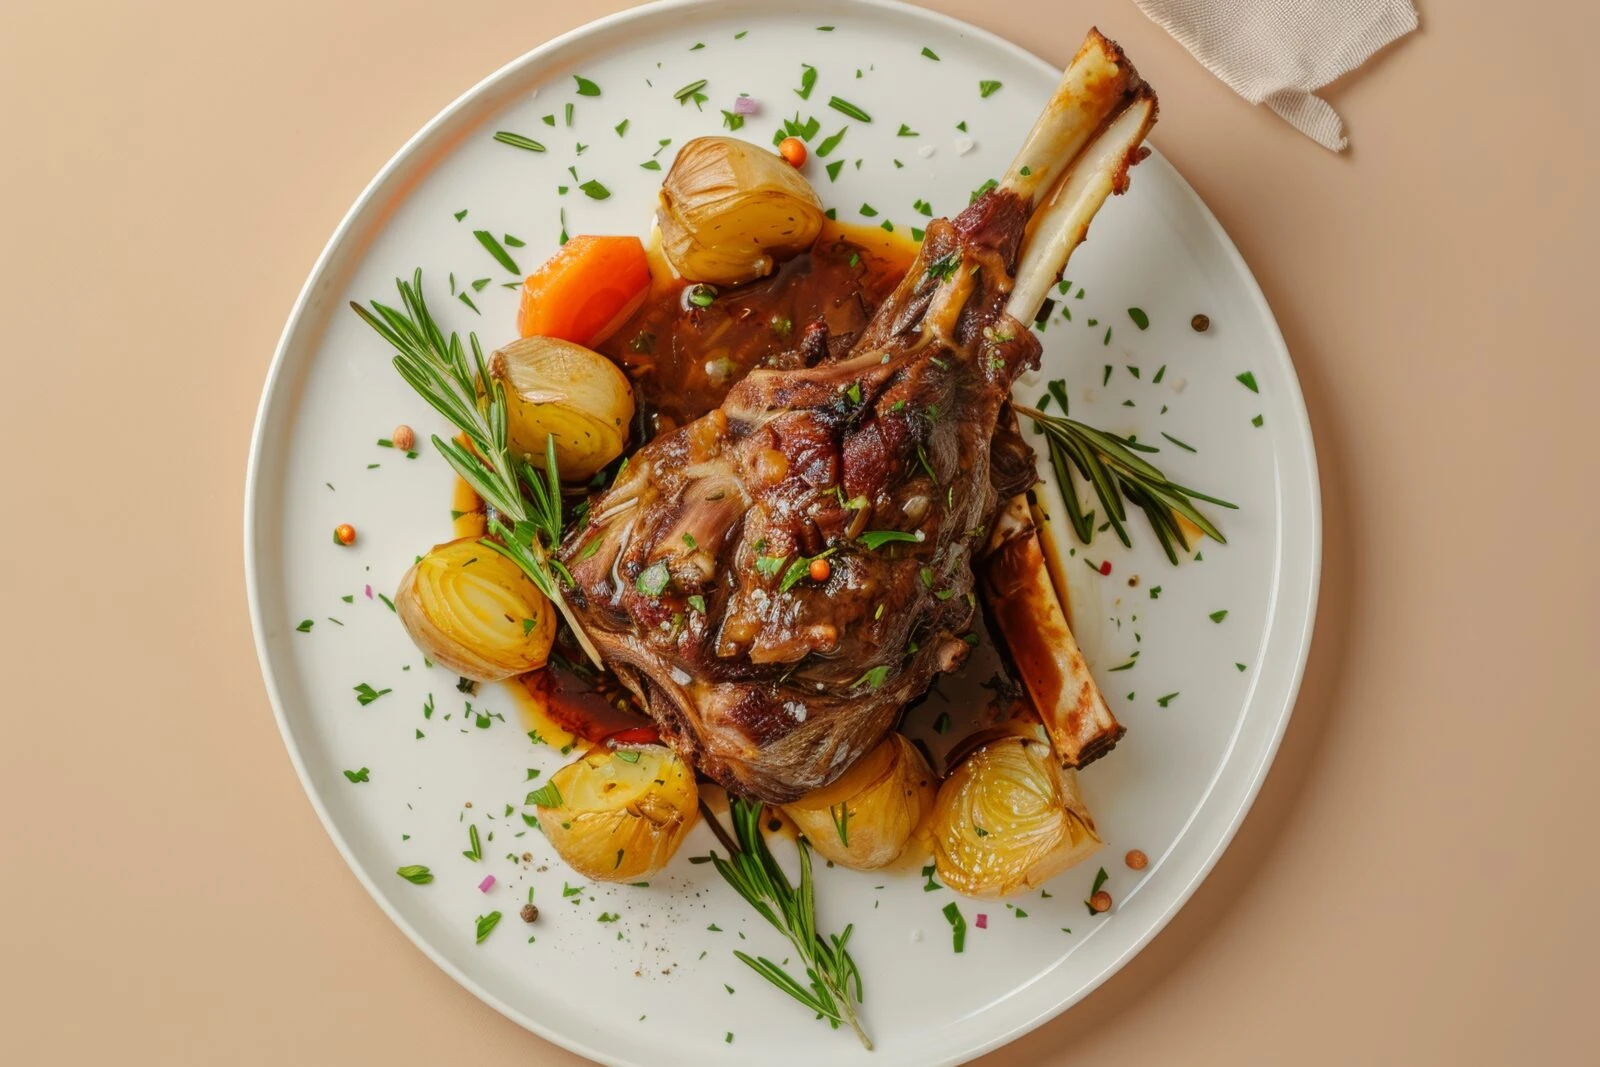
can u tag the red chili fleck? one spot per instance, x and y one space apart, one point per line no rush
636 735
983 921
1105 567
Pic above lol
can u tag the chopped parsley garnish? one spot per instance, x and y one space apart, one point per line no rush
958 926
515 140
868 211
492 246
907 131
830 143
987 89
622 127
873 678
486 925
1164 701
944 266
1248 380
357 776
546 796
365 694
930 53
834 168
594 190
1257 421
305 626
585 86
1099 881
808 81
415 873
767 566
475 852
1140 319
874 539
688 539
1218 616
653 580
731 120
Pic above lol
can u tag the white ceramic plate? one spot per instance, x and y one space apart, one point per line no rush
652 987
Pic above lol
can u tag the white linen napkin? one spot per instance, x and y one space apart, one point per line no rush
1277 52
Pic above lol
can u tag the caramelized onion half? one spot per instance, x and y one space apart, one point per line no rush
472 611
1009 817
556 389
731 209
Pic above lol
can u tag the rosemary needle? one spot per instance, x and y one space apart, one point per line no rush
835 981
1113 466
475 403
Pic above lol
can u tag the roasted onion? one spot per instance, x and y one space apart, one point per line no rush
618 814
864 819
730 210
556 389
472 611
1008 817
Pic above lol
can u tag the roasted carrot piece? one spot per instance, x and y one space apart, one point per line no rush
586 291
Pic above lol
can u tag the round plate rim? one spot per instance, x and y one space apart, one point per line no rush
1293 399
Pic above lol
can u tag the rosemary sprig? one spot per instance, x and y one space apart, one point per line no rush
526 519
834 987
1114 467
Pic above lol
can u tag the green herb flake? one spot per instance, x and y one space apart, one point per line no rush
515 140
845 107
1140 319
650 164
1164 701
834 168
688 92
594 190
907 131
808 81
1257 421
830 143
1241 667
304 627
731 120
1160 374
1218 616
357 776
958 926
1181 444
486 925
1105 379
1248 380
492 246
365 694
653 580
622 127
461 214
930 53
585 86
475 851
568 116
875 539
415 873
546 796
873 678
941 725
626 755
987 89
1099 882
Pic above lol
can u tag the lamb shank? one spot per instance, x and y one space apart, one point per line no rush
776 580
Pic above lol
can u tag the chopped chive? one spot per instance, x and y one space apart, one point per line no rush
930 53
569 110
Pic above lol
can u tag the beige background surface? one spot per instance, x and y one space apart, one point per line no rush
1417 883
